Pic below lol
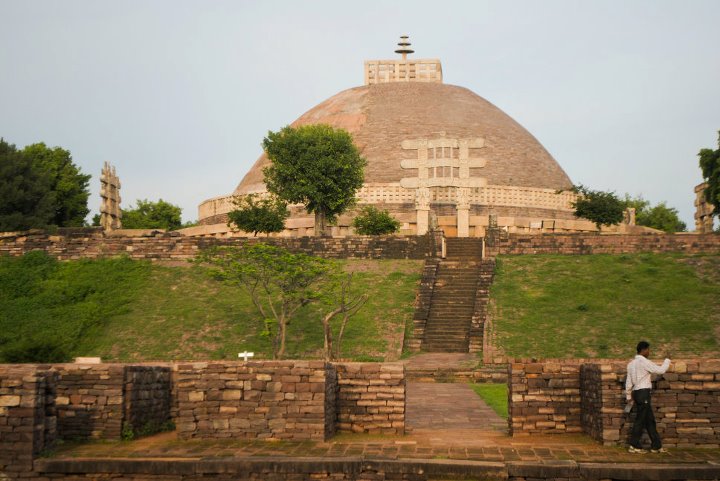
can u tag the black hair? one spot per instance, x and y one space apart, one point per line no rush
642 345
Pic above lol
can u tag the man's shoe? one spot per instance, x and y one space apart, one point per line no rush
659 451
635 450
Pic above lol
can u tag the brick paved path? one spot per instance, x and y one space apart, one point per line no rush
433 406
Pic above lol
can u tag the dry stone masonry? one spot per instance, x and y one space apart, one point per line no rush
265 400
371 398
570 396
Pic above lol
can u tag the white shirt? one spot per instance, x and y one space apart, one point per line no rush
639 372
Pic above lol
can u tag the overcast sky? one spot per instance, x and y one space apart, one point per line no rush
179 94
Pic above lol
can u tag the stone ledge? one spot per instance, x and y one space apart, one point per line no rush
421 468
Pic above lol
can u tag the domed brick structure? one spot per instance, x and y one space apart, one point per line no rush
437 155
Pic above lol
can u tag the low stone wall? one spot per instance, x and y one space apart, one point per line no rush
156 245
89 400
93 401
26 422
544 397
265 400
686 401
564 396
574 244
371 398
148 397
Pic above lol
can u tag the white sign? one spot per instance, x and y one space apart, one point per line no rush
245 355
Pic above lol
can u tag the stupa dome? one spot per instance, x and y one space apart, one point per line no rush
381 116
438 156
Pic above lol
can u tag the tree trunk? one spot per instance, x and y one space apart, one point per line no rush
281 336
320 223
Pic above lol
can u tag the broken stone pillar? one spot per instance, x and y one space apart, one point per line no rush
422 208
463 212
110 213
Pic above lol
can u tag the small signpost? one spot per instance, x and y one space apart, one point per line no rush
245 355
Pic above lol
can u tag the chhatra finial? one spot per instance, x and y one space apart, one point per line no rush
404 49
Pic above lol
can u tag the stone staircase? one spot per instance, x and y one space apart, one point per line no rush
451 310
453 299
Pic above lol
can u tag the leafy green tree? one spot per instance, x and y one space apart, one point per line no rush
373 221
152 215
67 182
659 216
710 166
278 281
601 208
263 215
314 165
27 200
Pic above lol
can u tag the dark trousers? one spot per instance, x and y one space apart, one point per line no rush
645 419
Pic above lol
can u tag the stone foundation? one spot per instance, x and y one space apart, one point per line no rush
173 246
571 396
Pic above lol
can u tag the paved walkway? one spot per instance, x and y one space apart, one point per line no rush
442 406
441 360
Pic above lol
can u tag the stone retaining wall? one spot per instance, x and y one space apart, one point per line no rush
565 396
544 397
371 398
156 245
574 244
94 400
266 400
686 401
25 426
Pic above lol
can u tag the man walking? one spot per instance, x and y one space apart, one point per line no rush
637 389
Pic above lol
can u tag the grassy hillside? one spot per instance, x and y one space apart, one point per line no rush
602 305
127 310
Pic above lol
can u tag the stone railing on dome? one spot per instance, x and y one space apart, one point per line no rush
492 195
419 70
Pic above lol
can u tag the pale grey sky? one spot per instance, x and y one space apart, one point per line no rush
179 94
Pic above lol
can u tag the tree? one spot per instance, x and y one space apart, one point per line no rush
27 200
373 221
67 182
601 208
278 281
345 303
314 165
710 166
152 215
659 216
264 215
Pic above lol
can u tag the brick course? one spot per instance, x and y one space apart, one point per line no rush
567 396
154 245
575 244
371 398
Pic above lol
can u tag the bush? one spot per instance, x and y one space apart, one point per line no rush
35 351
373 221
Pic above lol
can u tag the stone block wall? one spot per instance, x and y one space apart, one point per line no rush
544 397
89 400
564 396
155 245
575 244
25 426
262 399
147 397
93 401
371 398
686 400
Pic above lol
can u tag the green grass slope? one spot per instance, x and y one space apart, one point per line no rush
124 310
602 305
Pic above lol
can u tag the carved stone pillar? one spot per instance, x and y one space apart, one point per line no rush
422 208
463 212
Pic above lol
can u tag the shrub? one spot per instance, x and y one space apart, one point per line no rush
373 221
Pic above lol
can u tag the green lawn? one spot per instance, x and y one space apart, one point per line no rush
124 310
602 305
495 395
